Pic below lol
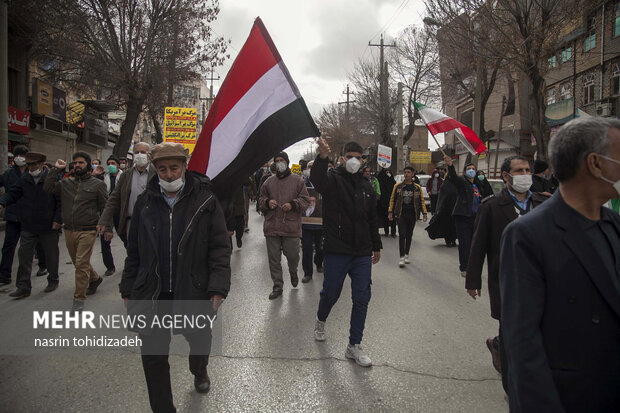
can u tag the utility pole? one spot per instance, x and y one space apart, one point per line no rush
4 83
498 136
401 160
384 128
347 111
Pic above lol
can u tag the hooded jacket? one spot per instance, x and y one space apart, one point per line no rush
349 211
289 189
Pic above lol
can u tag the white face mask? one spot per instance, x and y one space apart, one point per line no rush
34 174
616 184
436 175
171 187
140 159
521 183
306 173
353 165
20 161
280 166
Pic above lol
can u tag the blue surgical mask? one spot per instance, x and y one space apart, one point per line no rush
470 173
481 177
112 169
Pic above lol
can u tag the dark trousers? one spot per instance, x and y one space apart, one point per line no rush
503 359
387 224
155 349
464 232
336 267
25 254
11 237
310 237
433 202
106 250
240 225
406 224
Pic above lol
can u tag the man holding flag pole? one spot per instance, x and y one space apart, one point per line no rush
468 198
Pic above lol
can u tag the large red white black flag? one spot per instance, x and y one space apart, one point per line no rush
257 112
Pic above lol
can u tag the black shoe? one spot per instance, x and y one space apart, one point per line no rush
19 294
77 305
306 279
109 272
202 384
294 280
319 269
42 271
51 286
393 235
275 294
246 230
92 286
5 281
239 243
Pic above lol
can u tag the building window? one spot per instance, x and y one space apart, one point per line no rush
565 91
552 62
617 20
588 89
567 53
616 79
591 35
550 96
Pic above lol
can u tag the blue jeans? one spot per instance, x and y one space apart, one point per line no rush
336 267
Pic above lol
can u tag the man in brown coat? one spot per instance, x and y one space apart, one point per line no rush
495 213
283 197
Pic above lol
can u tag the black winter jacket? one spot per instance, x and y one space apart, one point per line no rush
8 179
199 248
465 194
37 209
349 211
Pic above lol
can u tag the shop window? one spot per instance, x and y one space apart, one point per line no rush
588 89
550 96
565 91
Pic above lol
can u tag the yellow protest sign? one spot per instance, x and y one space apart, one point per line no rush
419 157
296 169
180 126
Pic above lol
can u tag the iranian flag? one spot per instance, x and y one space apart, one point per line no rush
437 122
257 112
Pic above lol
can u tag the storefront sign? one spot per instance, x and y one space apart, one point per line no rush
19 121
48 100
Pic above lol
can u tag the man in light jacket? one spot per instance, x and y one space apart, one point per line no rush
283 197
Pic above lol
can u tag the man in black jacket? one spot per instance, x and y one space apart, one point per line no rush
495 213
39 214
467 203
351 240
560 281
178 254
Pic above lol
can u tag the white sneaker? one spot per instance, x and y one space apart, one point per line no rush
319 330
356 353
401 262
407 259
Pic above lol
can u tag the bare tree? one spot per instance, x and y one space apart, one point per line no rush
416 65
125 50
368 113
333 123
522 33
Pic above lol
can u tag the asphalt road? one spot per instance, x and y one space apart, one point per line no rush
425 335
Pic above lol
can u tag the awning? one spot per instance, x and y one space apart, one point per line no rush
16 137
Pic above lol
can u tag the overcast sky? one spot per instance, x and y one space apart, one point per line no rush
319 40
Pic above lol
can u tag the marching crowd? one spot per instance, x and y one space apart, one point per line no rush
552 249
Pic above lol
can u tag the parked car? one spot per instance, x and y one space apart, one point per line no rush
423 180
